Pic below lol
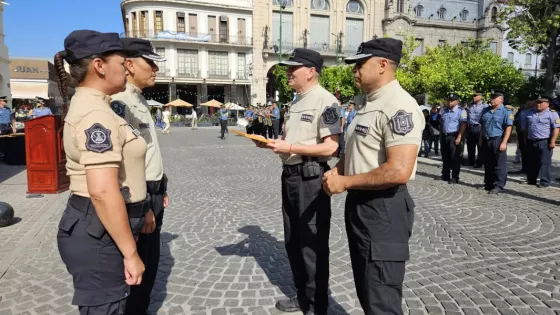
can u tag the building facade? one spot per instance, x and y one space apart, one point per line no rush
4 61
336 28
208 46
529 62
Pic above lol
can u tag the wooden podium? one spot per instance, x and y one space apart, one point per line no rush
45 157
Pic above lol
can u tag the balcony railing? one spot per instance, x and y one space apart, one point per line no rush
191 37
320 47
218 74
242 75
188 73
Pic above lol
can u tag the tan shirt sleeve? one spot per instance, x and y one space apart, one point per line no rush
329 122
99 140
403 128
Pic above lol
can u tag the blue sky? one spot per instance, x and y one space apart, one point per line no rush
37 28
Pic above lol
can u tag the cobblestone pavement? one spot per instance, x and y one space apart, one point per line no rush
223 250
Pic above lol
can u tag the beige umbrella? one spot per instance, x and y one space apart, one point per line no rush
212 103
179 103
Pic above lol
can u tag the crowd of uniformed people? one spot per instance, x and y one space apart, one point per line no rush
109 234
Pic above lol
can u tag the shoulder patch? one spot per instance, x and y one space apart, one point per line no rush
118 108
330 116
464 114
557 121
511 116
98 138
402 122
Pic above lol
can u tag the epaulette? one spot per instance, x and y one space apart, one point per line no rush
509 107
552 110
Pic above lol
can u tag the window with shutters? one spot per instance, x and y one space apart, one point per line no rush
241 66
354 7
400 6
180 22
158 22
354 34
193 24
418 10
320 5
187 62
161 64
319 34
218 64
287 30
144 28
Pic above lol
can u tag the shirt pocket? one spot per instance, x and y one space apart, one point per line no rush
306 121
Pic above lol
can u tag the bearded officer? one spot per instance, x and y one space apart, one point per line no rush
309 141
132 106
381 149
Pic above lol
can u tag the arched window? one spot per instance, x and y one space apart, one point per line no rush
354 7
320 5
441 13
528 59
494 17
286 3
400 6
418 10
464 15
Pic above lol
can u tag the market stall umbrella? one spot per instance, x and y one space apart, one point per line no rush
154 103
212 103
233 106
179 103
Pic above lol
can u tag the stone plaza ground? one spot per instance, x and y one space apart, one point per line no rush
223 250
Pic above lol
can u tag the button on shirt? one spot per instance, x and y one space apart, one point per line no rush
495 122
475 110
5 116
224 113
391 117
540 125
135 110
39 112
313 116
453 118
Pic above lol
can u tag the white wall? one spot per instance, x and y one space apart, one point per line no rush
519 59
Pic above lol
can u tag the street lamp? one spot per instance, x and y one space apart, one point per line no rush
282 7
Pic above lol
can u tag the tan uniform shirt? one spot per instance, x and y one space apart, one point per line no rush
95 137
132 106
390 117
313 116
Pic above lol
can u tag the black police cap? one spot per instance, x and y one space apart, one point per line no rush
81 44
305 57
4 98
389 48
141 48
453 97
497 93
544 98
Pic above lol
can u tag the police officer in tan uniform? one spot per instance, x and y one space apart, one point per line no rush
132 106
309 141
381 149
105 162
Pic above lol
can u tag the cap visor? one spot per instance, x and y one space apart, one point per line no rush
290 63
154 57
355 58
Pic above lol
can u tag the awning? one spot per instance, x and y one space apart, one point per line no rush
27 90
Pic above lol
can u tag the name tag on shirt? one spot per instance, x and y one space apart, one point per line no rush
135 131
306 117
143 126
361 130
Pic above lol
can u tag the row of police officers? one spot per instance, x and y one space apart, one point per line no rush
382 142
109 234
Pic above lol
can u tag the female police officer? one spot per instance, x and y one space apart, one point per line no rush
105 162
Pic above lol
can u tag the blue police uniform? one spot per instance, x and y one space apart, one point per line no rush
275 122
519 123
494 124
223 114
451 120
5 121
473 133
539 127
39 112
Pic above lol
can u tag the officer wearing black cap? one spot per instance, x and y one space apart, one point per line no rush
380 158
133 107
309 142
7 119
105 162
496 123
454 123
41 110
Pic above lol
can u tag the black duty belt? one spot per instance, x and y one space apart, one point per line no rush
157 187
377 193
537 140
451 134
296 169
134 210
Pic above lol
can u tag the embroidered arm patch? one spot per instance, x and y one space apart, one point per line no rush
98 138
118 108
402 123
330 116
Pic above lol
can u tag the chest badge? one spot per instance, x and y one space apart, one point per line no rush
361 130
402 122
306 117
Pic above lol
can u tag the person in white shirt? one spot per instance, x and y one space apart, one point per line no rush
165 117
194 122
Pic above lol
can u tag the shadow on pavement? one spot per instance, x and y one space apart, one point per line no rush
9 171
166 263
270 255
